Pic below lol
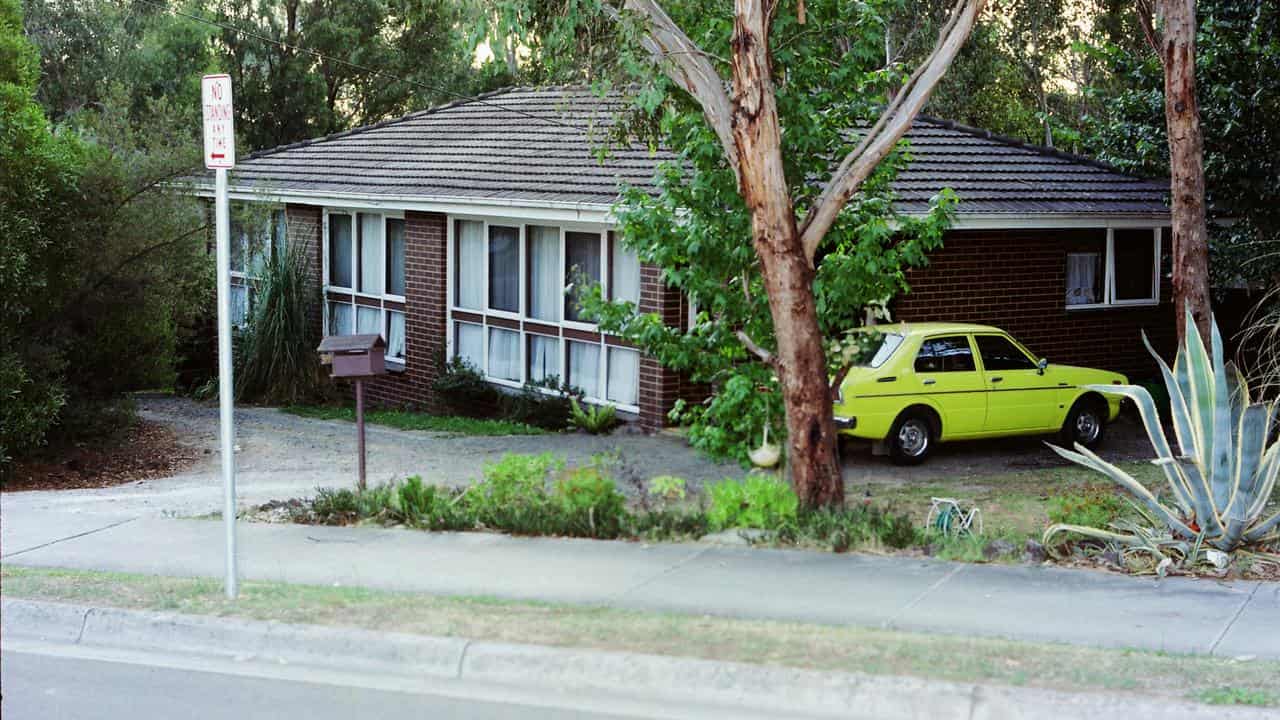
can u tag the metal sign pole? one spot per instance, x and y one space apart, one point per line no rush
360 432
226 388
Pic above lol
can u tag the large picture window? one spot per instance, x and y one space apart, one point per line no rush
365 268
514 314
1120 268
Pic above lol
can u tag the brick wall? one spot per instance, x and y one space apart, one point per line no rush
424 260
1016 280
302 224
659 387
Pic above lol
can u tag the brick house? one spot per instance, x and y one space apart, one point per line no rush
453 232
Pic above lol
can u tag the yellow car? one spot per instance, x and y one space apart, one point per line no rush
934 382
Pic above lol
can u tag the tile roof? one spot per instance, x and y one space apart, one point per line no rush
540 145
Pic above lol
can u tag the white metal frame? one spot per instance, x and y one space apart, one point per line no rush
606 279
1109 299
384 313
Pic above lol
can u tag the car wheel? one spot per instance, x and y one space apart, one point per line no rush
912 438
1086 423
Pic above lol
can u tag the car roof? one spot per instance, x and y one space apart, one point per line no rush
930 328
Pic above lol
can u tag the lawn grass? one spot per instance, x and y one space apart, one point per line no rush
816 647
405 420
1014 503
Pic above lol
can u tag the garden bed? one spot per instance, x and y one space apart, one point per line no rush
144 451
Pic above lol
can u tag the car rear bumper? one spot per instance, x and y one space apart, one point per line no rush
846 423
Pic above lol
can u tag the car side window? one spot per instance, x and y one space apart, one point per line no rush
998 353
945 354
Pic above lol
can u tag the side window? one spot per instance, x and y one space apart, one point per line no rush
945 354
998 353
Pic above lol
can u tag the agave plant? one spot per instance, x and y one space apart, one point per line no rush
1224 474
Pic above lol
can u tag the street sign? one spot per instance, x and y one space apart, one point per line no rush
220 156
219 124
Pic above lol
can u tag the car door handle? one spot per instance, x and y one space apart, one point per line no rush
996 379
930 381
891 378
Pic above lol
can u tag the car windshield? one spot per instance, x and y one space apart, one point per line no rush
888 343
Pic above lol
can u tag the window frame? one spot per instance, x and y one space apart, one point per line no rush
566 330
982 359
383 300
967 337
1109 273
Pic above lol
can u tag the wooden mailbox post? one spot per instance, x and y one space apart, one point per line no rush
356 357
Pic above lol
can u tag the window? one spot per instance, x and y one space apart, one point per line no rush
468 343
999 353
504 354
624 376
469 260
584 367
365 261
624 272
239 305
582 267
544 358
504 272
504 268
253 241
395 256
545 287
945 354
1120 268
889 342
340 255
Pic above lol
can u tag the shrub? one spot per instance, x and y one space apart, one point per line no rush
670 524
544 404
276 351
1094 505
430 507
513 494
462 390
842 529
595 419
335 507
730 423
667 487
589 504
756 502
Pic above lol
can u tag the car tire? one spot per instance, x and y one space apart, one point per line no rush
1086 423
912 437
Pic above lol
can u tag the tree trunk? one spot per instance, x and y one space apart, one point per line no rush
788 275
1186 166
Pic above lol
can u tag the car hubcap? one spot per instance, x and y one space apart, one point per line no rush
913 438
1087 426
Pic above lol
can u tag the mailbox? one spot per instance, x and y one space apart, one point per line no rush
354 356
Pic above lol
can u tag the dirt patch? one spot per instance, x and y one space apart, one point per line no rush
145 451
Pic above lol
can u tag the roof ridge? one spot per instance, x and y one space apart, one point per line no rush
382 123
1017 142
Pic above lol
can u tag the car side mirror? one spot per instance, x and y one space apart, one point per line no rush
1044 363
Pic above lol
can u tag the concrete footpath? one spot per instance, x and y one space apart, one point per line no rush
1029 603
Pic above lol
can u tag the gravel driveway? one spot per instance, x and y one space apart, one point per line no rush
282 456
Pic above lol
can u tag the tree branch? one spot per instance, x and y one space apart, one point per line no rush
687 65
838 380
889 128
1145 10
758 351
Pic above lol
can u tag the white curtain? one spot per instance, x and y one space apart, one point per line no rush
624 376
395 334
625 274
1083 287
544 358
371 269
279 232
504 354
545 289
584 368
368 321
469 257
340 320
469 344
340 250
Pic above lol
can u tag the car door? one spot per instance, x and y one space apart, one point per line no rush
945 371
1019 396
